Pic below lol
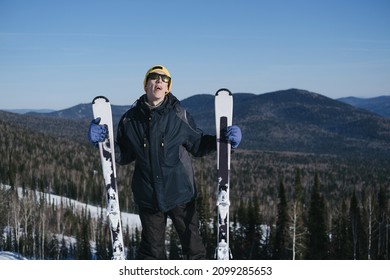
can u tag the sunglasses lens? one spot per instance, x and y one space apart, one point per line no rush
164 78
153 76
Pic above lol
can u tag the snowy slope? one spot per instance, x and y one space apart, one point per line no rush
128 219
4 255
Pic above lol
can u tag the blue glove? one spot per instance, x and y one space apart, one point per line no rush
97 133
233 135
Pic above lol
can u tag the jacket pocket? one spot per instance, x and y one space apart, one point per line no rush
169 155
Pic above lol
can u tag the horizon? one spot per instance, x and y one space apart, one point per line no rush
56 54
48 110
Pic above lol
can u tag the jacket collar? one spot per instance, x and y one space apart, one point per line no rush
168 103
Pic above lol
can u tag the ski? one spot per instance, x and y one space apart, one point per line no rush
101 107
223 119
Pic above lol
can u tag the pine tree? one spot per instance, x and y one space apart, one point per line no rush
382 228
253 232
280 243
239 245
134 244
318 240
64 253
99 240
356 229
341 242
83 240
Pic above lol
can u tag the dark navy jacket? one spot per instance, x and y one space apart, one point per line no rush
160 142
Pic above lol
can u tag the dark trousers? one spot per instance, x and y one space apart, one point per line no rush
184 219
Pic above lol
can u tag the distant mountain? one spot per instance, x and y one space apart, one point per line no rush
299 121
379 105
290 120
73 129
24 111
82 111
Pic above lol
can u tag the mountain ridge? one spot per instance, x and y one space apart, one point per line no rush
379 105
292 120
300 121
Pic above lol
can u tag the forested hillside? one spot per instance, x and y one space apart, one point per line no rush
285 203
300 121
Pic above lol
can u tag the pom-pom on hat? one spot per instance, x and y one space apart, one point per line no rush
158 69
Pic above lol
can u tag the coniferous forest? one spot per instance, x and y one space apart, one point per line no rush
284 205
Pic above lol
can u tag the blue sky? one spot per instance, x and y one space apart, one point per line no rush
56 54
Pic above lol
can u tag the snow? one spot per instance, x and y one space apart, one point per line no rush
4 255
128 219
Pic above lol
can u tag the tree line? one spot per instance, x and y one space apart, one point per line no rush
357 227
283 205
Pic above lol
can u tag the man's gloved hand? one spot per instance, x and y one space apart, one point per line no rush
233 135
97 133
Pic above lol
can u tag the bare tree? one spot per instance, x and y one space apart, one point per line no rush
297 228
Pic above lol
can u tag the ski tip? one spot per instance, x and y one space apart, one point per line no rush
100 97
223 90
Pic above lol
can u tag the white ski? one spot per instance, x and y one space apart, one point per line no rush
101 107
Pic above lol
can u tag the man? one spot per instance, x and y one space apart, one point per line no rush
159 135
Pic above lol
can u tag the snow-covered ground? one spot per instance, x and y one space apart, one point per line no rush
4 255
128 219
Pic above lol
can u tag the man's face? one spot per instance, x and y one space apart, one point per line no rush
156 88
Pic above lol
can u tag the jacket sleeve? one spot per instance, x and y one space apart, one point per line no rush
198 144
